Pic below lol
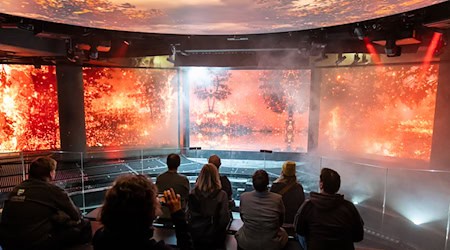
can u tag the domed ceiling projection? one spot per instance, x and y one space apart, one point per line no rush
208 17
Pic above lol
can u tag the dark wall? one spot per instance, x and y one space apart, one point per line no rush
71 108
440 150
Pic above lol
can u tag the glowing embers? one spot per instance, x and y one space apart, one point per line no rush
130 107
386 111
28 108
249 109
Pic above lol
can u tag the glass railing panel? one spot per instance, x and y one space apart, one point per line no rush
417 208
12 173
101 168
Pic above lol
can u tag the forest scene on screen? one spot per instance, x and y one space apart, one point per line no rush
28 109
130 107
380 110
249 109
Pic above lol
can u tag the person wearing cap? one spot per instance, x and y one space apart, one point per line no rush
290 189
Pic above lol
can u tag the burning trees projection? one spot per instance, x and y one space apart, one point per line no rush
383 110
29 108
130 107
282 93
249 109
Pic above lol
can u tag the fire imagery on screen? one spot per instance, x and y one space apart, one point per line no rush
28 109
131 107
249 109
380 110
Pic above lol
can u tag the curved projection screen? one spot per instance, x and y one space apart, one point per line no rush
210 17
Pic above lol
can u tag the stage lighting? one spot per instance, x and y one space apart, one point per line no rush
356 59
171 58
93 53
322 57
364 59
340 59
391 49
359 32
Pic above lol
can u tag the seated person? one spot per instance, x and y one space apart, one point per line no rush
128 212
208 210
262 213
40 215
171 179
327 220
226 184
291 191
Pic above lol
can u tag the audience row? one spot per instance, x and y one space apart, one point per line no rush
40 215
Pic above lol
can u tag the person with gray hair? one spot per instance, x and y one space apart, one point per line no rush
327 220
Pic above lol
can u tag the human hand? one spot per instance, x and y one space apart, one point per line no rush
173 200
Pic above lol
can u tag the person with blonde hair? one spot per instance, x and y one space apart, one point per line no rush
208 213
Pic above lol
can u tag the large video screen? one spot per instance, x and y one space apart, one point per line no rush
380 110
249 109
131 107
28 108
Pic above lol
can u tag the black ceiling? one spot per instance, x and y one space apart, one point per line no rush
28 41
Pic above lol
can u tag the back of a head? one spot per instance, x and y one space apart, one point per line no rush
129 206
260 180
208 180
331 180
215 159
173 161
41 167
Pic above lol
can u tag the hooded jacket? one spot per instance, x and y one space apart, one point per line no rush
329 222
208 217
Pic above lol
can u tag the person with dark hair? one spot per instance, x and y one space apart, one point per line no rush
262 213
40 215
327 220
127 214
224 181
171 179
290 189
208 210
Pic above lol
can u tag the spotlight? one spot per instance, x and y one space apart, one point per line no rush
126 42
93 53
364 59
171 58
356 59
340 59
359 32
322 57
392 49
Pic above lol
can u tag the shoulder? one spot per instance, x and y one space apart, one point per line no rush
277 186
222 195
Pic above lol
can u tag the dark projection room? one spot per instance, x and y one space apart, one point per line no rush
113 87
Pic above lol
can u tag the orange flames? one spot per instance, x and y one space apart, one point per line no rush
28 108
388 111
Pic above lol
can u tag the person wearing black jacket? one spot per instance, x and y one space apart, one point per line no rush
208 210
327 220
224 181
40 215
128 212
